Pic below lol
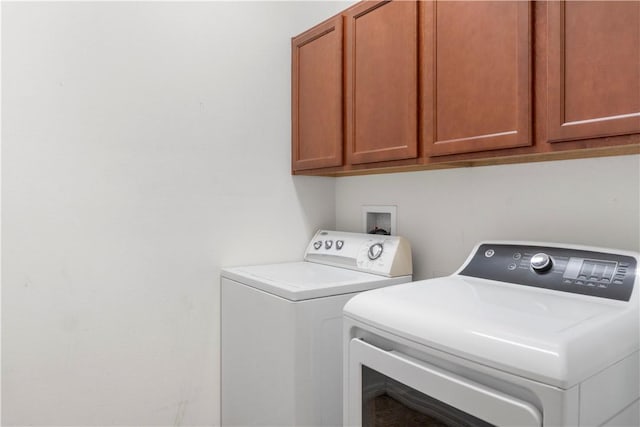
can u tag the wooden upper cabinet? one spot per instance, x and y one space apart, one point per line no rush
381 81
476 76
316 97
593 82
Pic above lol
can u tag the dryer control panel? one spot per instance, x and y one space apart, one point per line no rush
598 272
371 253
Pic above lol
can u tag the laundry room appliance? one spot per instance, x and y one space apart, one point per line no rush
281 334
523 334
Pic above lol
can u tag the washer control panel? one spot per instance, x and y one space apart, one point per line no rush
372 253
581 271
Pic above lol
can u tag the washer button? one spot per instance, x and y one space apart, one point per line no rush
517 255
317 244
489 253
339 244
512 266
328 244
375 251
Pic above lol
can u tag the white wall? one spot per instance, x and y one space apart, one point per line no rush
145 145
445 212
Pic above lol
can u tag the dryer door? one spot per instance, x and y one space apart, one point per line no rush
389 388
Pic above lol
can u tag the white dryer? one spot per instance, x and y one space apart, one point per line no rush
281 334
524 334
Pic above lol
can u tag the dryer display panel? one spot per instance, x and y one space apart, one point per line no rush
605 275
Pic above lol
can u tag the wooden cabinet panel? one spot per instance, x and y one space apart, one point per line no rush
476 87
593 86
459 77
381 81
316 97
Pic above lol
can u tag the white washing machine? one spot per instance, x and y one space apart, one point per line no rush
524 334
281 336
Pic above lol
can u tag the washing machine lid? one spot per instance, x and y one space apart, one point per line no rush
297 281
547 336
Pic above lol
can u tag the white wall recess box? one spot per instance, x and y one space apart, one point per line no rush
378 219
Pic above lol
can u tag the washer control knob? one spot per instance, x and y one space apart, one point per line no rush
541 262
339 244
317 244
375 251
328 244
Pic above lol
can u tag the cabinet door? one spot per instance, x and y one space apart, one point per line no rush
381 81
316 97
476 76
593 86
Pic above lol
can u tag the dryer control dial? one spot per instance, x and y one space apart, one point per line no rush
541 262
375 251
